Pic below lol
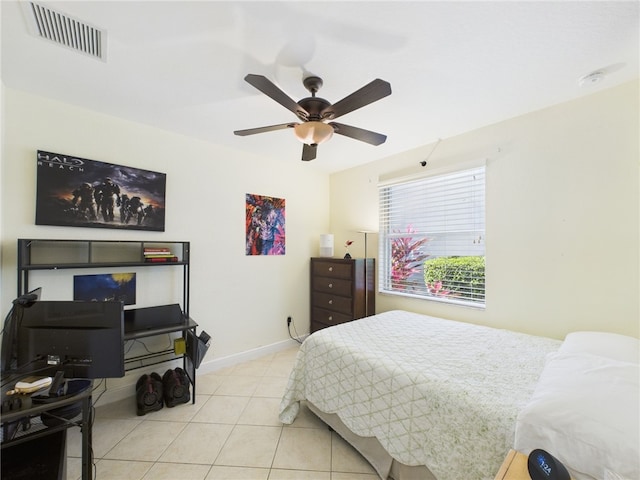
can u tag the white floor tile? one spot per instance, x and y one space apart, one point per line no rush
244 385
173 471
197 443
209 383
221 409
298 475
304 449
120 469
146 442
232 432
261 411
354 476
250 446
271 387
237 473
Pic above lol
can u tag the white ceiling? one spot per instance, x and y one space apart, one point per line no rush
453 66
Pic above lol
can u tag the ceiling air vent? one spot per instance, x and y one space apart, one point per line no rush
65 30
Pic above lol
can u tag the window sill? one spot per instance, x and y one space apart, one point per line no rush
457 303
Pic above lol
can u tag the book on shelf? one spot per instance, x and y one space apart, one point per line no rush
168 254
156 250
171 258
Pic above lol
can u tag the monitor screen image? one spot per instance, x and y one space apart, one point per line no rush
119 287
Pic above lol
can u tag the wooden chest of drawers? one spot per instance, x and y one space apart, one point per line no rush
341 290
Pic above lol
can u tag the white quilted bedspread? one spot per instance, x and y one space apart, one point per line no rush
434 392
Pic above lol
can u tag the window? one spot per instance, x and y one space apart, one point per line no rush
432 237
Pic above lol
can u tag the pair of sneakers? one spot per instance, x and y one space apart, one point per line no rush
153 392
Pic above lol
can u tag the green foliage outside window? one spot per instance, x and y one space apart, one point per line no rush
406 258
461 277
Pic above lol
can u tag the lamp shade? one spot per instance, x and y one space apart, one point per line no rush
326 245
313 132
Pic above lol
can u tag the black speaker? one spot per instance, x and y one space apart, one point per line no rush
149 394
175 387
544 466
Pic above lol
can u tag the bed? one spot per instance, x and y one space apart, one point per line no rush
427 398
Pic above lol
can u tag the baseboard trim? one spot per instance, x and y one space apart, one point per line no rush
102 396
231 360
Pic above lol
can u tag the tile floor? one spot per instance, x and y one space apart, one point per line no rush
232 432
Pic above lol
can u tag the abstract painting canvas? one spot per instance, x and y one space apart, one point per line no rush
76 192
265 221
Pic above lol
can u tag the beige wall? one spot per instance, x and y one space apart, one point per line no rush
243 302
562 215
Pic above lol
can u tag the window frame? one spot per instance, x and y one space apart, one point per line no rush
474 217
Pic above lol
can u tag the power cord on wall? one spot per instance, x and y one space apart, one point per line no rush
297 337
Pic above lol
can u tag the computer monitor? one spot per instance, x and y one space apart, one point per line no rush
82 339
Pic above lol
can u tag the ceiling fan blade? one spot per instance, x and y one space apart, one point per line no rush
358 133
309 152
270 128
370 93
267 87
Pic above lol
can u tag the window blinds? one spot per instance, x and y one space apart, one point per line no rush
432 236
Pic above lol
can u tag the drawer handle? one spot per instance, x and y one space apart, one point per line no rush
331 269
330 317
331 285
330 302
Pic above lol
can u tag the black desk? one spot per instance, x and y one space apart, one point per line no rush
152 321
30 414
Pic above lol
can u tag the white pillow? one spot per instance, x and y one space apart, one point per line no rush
610 345
584 411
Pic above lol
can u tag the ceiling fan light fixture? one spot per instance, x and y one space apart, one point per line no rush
313 132
314 113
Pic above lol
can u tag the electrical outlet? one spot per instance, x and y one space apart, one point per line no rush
288 321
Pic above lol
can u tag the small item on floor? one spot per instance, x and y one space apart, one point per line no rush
149 393
175 387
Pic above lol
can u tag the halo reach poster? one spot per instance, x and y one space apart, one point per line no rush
77 192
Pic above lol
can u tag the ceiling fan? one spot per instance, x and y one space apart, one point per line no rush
316 113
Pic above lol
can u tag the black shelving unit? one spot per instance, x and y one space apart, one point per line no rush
52 254
41 254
